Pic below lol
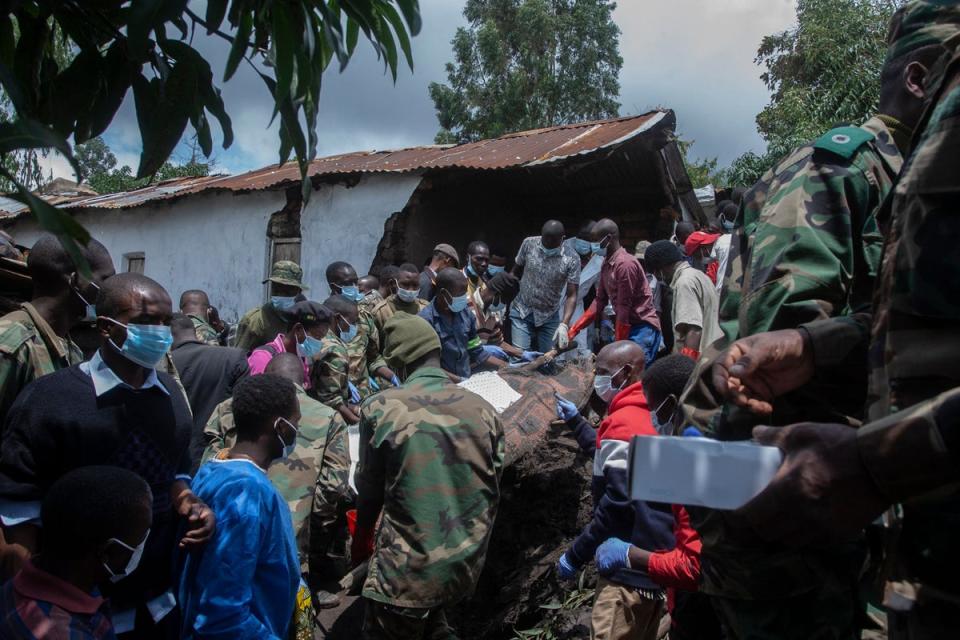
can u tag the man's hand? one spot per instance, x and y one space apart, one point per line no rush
612 555
566 410
755 370
201 523
821 493
530 356
354 393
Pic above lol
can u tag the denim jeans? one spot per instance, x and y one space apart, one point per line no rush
649 338
526 335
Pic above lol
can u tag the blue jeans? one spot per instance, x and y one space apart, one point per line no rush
649 338
526 335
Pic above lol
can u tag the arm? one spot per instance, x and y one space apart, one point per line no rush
678 568
614 506
329 378
376 365
628 277
226 570
219 431
589 315
200 520
334 477
520 261
478 356
370 478
570 304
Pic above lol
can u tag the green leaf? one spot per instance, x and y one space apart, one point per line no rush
25 133
353 33
164 122
216 10
116 82
552 606
411 12
284 39
7 39
239 48
401 31
14 91
390 47
142 17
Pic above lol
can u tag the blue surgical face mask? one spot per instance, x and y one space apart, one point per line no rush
550 253
603 385
456 303
582 247
310 347
282 303
471 270
146 344
407 295
349 334
287 448
727 226
597 249
351 292
493 270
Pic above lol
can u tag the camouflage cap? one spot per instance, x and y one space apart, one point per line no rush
923 23
287 272
407 338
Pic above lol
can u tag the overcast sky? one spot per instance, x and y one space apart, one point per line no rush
693 56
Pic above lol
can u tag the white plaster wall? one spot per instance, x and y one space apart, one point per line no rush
341 223
215 242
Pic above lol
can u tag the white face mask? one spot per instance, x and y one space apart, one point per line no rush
89 309
287 448
603 385
132 563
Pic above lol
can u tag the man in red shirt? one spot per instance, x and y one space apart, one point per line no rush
624 285
698 247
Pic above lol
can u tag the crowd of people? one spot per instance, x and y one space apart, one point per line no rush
181 478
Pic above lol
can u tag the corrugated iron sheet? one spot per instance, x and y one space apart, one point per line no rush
523 149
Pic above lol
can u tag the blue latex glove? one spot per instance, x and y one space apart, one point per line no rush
395 381
612 555
691 431
565 568
354 393
530 356
566 410
496 352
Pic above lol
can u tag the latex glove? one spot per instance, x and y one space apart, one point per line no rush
565 568
354 393
561 337
496 352
530 356
395 381
612 555
566 410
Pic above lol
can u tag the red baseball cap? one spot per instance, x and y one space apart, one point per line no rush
698 238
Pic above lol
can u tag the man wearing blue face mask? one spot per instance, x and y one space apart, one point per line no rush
478 259
259 325
118 410
461 348
307 323
405 297
549 277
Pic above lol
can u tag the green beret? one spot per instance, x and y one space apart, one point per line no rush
407 338
921 24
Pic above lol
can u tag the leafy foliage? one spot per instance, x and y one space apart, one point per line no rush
144 46
98 164
824 71
526 64
702 171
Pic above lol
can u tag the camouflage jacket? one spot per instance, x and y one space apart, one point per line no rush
431 455
385 310
914 348
807 247
205 333
356 361
315 475
259 326
29 349
370 300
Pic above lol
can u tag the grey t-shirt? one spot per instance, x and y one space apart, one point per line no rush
544 281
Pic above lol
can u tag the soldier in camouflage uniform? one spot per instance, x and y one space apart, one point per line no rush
35 340
806 248
908 451
431 456
261 325
195 304
407 298
313 479
350 359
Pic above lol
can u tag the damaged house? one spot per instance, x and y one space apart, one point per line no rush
372 208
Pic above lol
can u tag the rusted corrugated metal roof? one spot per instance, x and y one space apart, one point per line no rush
523 149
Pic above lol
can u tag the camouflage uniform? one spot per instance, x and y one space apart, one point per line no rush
260 326
356 361
370 300
431 454
29 349
385 310
312 480
806 247
205 333
914 355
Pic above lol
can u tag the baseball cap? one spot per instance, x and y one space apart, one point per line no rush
448 250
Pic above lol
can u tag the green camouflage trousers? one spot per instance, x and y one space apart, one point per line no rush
387 622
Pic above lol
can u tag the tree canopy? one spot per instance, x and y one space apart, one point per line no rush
145 46
527 64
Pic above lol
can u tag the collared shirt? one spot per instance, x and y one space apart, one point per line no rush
624 284
461 348
544 281
39 605
104 379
